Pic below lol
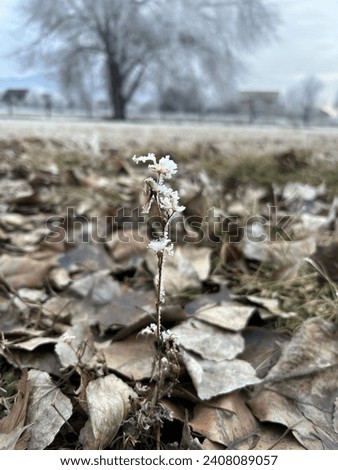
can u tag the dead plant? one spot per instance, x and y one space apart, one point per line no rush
147 412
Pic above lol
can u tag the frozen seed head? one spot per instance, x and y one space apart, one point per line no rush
167 199
165 168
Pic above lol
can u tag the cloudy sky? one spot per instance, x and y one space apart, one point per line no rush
307 44
8 22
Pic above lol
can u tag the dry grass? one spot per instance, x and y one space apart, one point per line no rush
206 139
305 294
239 153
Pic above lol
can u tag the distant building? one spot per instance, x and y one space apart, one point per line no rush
329 111
259 103
14 97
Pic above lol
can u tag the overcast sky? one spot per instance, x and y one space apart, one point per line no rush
307 44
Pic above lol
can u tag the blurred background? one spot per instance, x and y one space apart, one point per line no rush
231 61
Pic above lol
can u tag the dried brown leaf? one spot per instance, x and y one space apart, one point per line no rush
170 314
60 308
48 409
108 302
208 300
108 404
75 345
262 348
225 420
98 288
298 359
34 352
271 307
275 408
228 315
132 357
128 247
272 436
208 341
199 257
41 359
24 271
303 386
87 438
86 257
11 441
180 273
212 378
32 343
210 445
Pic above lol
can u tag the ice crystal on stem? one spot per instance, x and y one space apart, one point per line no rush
162 244
157 191
164 168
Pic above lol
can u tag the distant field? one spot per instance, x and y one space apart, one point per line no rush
176 138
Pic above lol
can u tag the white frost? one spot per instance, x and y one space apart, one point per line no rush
145 158
150 330
162 244
165 168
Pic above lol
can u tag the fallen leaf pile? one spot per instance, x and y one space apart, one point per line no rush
259 351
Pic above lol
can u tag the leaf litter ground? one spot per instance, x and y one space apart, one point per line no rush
251 298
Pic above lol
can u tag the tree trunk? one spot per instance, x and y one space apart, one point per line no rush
115 85
306 115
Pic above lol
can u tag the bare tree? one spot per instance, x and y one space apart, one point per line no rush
136 40
302 99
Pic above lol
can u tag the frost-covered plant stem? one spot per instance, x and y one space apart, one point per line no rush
159 301
166 204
